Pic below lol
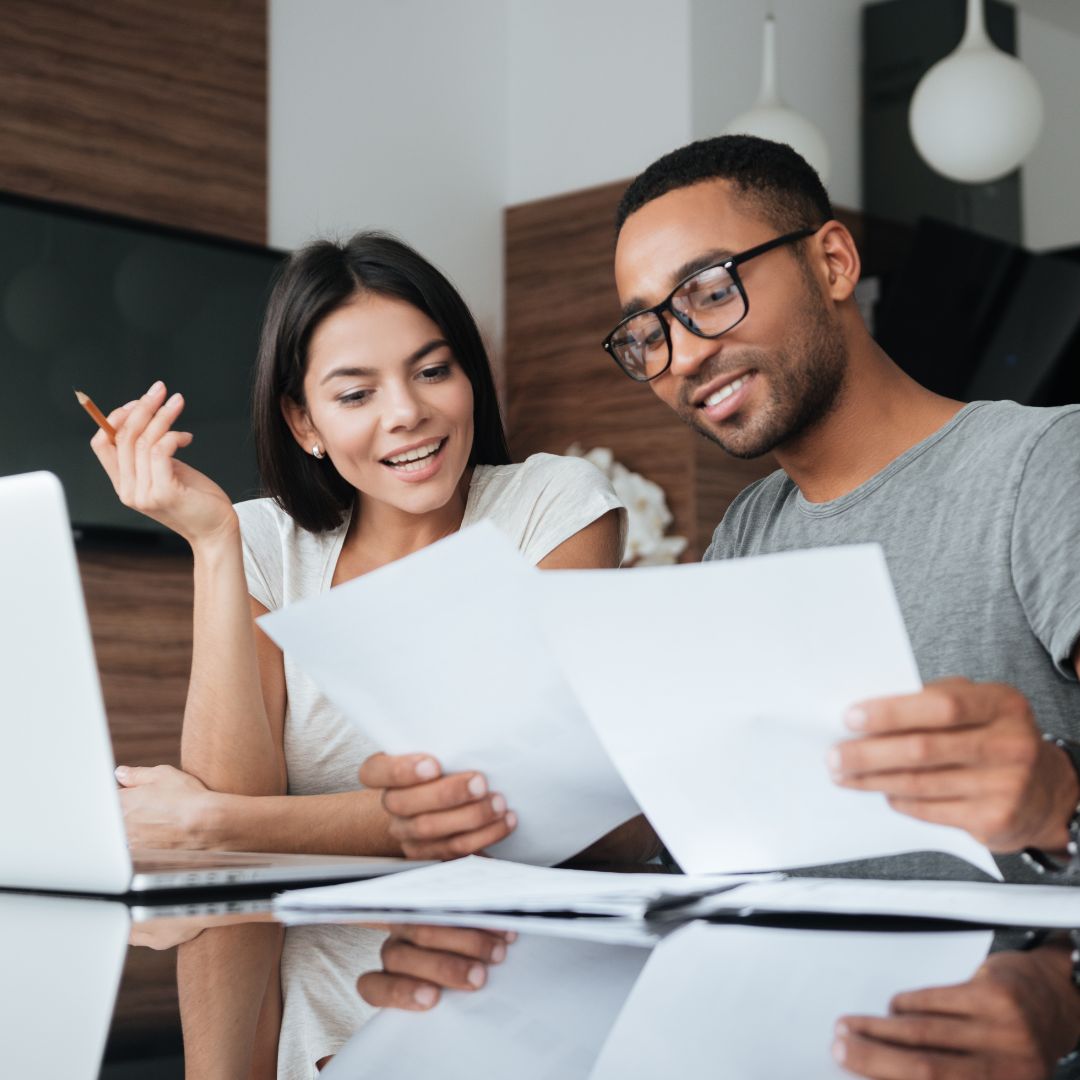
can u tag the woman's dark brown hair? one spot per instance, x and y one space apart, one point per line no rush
317 280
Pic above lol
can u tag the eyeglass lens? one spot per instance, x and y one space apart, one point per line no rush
707 304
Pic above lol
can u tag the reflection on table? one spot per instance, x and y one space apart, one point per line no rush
570 998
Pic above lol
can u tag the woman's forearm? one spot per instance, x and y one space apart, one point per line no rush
227 741
344 823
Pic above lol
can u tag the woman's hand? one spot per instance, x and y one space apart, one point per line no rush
164 807
434 816
420 961
147 477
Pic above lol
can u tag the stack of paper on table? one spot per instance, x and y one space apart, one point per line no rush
480 885
712 692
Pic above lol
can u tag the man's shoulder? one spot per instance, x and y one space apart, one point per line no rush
1006 426
763 498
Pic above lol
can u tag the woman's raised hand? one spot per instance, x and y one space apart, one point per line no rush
434 816
147 477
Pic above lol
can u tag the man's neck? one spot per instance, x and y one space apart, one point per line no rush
880 413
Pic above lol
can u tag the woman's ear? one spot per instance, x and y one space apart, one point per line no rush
296 416
841 261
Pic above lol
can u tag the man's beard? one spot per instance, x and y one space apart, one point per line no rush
805 378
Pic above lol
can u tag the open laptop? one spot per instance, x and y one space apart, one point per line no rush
62 825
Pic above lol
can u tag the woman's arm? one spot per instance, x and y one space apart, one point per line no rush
234 720
228 742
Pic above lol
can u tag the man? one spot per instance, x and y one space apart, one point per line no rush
738 292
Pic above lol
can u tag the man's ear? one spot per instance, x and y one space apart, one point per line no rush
296 416
839 259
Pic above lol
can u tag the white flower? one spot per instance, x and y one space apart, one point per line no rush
647 511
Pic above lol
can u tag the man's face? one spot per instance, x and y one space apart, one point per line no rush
774 375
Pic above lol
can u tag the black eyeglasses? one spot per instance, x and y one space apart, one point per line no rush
708 303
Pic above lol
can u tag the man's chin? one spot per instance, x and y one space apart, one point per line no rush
735 440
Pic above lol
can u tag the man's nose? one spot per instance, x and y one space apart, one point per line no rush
689 351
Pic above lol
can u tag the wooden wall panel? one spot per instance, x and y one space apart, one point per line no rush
140 616
151 109
563 388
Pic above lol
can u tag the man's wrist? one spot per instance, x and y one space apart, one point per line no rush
1058 835
210 820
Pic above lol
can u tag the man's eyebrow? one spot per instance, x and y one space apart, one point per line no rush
699 262
365 372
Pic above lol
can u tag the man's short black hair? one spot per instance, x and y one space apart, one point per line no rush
773 179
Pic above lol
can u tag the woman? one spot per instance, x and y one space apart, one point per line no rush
377 431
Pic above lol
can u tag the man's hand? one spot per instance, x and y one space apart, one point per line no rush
434 816
420 961
964 754
1012 1021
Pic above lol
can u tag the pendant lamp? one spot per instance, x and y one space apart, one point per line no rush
772 118
977 114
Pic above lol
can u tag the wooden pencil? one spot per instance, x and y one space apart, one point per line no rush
96 413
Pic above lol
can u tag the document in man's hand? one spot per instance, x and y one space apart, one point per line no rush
718 690
439 653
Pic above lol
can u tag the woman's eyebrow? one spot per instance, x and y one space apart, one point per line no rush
365 372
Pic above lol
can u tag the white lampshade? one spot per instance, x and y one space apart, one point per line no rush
977 114
771 118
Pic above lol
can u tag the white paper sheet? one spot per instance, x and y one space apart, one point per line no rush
435 653
719 688
543 1015
476 884
754 1003
983 902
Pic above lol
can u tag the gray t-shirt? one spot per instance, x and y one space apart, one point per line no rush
979 524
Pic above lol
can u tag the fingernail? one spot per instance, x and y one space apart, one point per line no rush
155 388
498 804
477 786
833 760
839 1051
511 820
511 937
175 399
120 772
477 976
426 769
425 996
841 1029
498 953
856 719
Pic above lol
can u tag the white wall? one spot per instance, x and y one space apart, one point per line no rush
818 60
1051 176
597 89
392 114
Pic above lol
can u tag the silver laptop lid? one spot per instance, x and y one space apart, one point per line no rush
62 823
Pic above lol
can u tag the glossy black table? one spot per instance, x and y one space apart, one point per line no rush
92 988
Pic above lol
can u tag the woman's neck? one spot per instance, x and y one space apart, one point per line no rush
380 533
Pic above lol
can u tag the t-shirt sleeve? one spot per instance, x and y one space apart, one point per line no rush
261 540
558 497
1045 553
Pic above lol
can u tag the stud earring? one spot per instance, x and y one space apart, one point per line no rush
318 452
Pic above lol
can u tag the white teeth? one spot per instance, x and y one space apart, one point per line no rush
414 455
723 392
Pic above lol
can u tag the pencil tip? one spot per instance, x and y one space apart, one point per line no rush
80 396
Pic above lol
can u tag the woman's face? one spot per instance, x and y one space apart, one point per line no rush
388 402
